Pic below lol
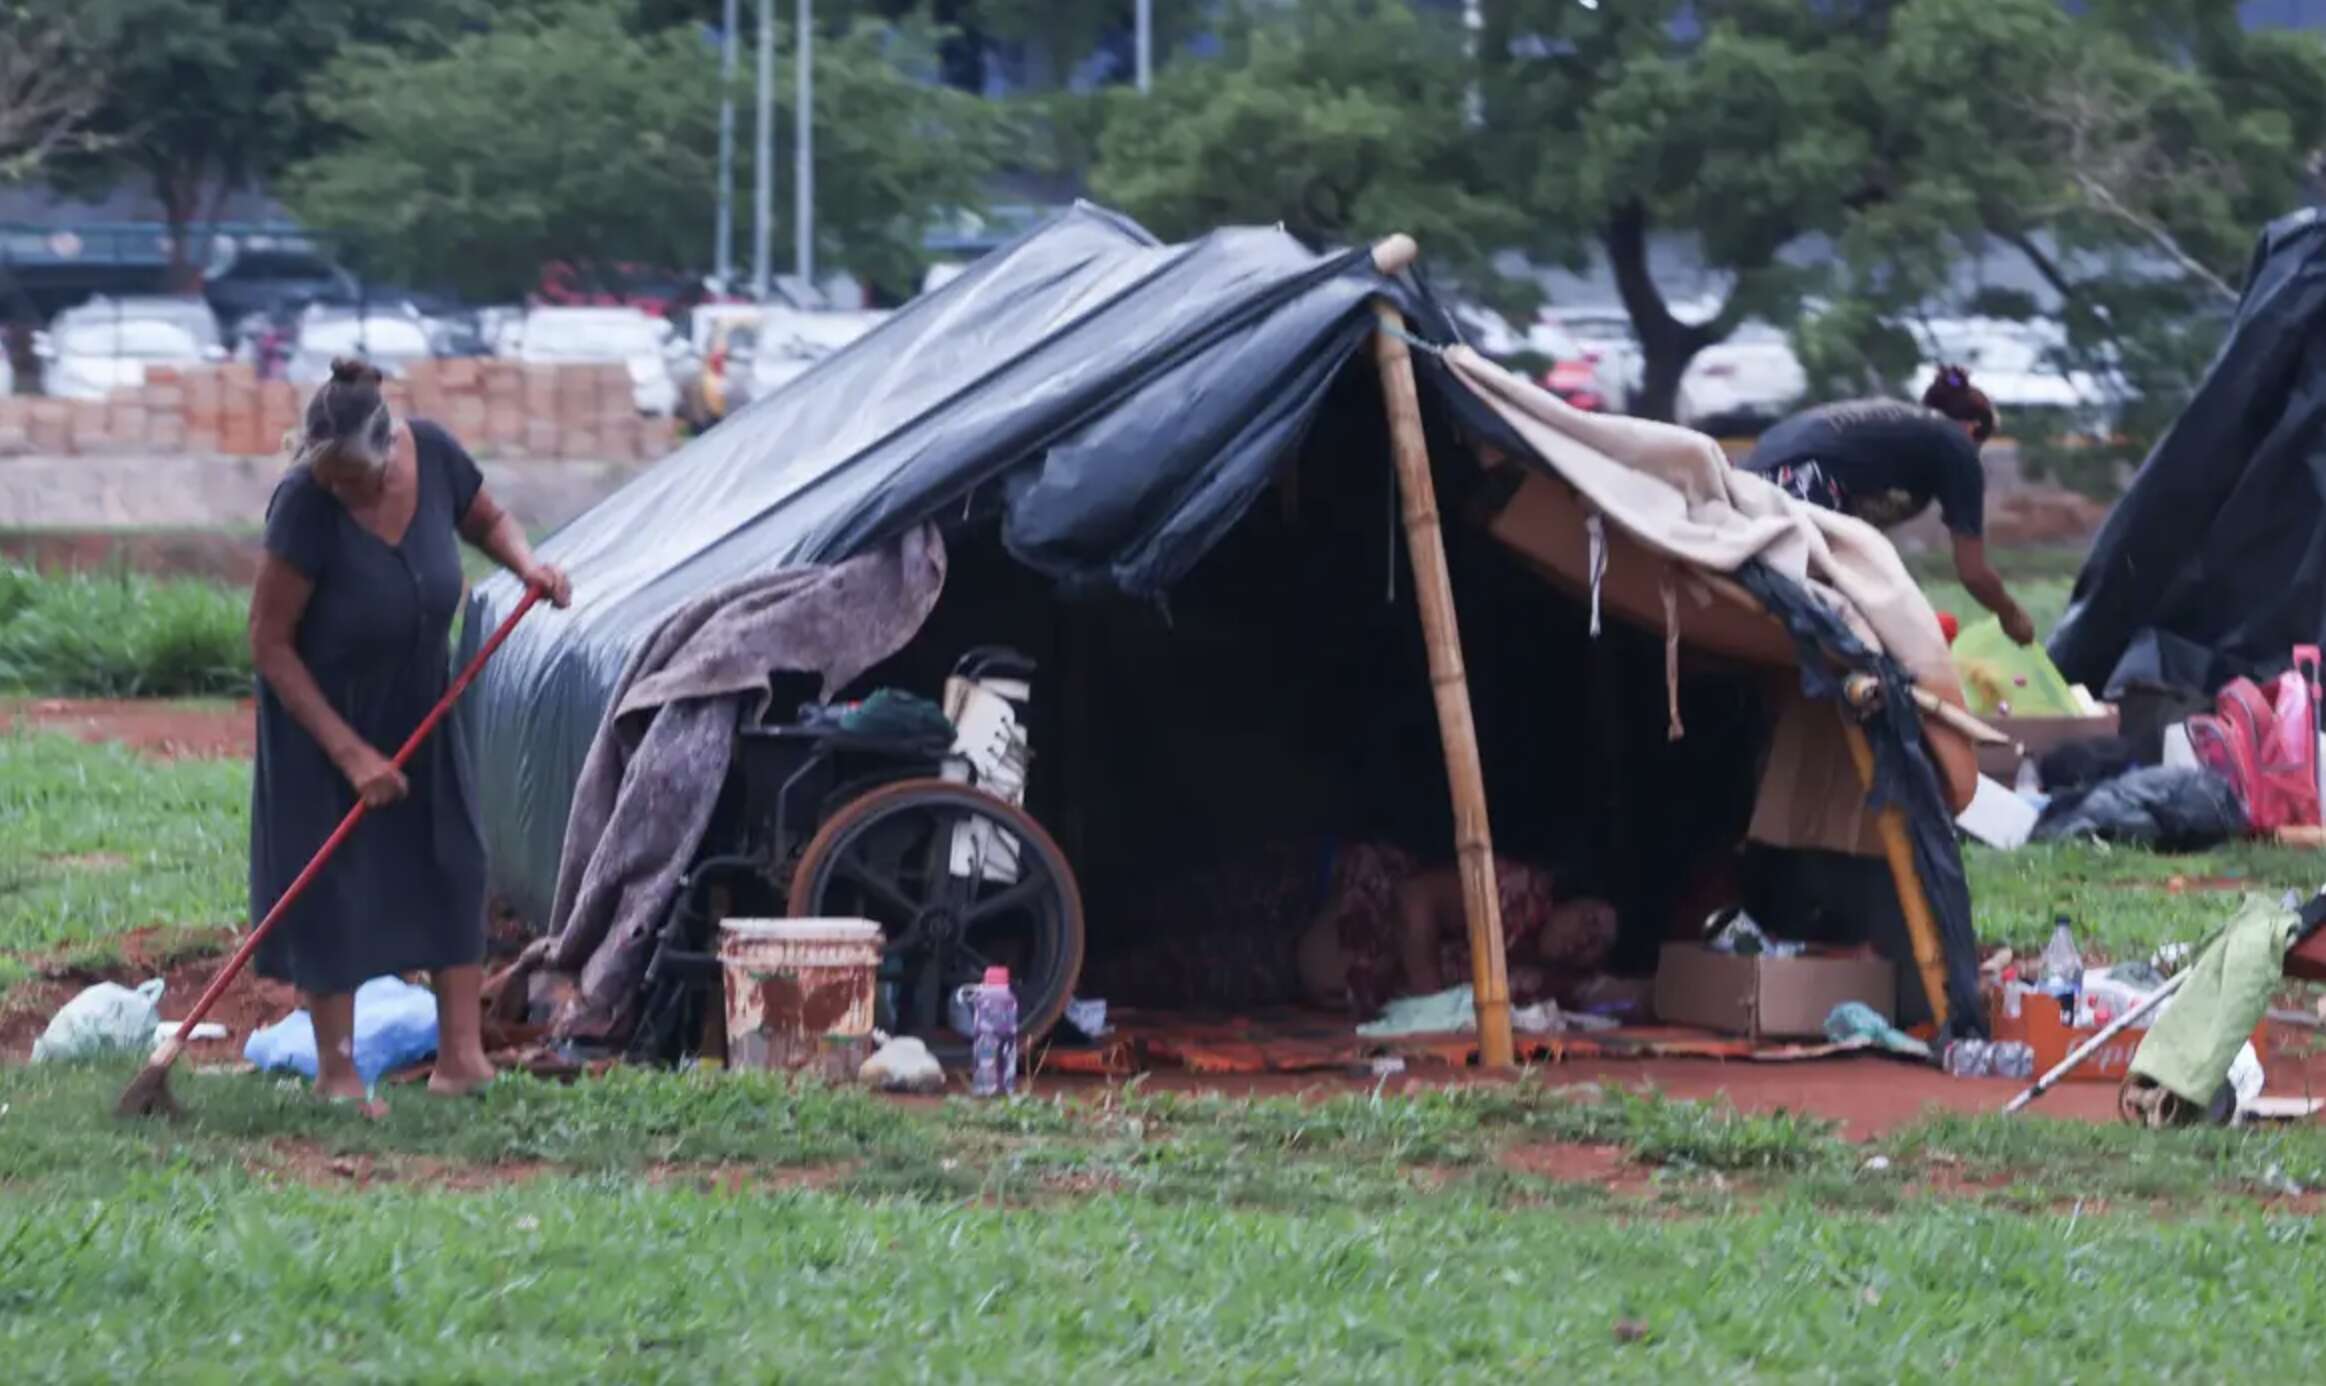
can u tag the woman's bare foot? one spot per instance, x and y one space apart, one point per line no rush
350 1091
458 1077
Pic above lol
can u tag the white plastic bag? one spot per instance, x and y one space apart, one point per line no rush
106 1018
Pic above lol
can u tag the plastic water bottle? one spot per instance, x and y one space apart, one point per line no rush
995 1046
2063 968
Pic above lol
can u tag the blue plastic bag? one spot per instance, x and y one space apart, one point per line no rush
395 1025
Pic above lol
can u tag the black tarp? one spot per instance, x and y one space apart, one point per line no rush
1118 401
2218 548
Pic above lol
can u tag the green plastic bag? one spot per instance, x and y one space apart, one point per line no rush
2004 678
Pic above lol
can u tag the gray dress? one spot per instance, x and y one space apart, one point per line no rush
406 891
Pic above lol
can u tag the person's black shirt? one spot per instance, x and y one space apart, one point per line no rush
1881 460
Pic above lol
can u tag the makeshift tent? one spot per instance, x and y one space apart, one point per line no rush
2213 564
1113 407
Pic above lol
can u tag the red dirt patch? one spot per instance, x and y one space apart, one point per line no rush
164 730
248 1004
306 1163
1604 1165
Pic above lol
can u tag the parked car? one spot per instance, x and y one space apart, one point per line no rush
791 342
1604 334
560 336
2019 365
1743 384
108 344
246 280
1582 377
391 340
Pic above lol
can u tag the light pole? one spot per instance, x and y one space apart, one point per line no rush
763 160
804 151
1145 43
723 235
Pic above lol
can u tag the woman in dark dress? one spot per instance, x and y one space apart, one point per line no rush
350 623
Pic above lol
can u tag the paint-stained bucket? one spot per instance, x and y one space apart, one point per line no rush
800 993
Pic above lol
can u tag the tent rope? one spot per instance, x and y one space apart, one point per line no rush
1595 528
1671 596
1410 340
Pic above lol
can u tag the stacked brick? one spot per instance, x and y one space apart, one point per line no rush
498 409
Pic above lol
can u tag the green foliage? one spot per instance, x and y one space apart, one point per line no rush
574 137
1341 119
96 841
120 635
205 96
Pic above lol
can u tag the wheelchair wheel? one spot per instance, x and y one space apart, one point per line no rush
958 881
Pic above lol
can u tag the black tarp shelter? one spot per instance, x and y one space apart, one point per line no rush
2214 562
1114 406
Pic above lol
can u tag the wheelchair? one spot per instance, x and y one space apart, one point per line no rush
918 831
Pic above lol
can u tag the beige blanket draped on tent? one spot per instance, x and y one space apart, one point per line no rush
1672 492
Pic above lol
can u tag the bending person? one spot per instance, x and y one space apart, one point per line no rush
1884 461
350 624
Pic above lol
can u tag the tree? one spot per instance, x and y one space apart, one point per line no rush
207 97
50 85
1340 119
574 138
2129 154
1748 123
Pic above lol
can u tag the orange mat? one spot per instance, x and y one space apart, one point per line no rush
1297 1041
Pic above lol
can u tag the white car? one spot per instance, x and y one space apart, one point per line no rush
571 336
1748 381
108 344
389 340
790 342
2018 366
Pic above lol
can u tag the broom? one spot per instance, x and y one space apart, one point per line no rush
148 1094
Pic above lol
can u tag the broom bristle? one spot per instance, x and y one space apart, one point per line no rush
148 1095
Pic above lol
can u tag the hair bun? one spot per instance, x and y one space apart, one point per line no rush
353 370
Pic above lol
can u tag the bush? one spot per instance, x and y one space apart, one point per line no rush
118 635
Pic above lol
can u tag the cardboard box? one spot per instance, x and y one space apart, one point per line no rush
2038 735
1762 997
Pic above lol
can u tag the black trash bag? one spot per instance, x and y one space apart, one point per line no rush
2168 808
2088 764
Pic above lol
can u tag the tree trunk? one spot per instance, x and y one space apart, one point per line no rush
1667 344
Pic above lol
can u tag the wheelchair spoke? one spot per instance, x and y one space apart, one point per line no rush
874 883
1033 884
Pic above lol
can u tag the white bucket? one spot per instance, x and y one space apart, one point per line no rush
800 992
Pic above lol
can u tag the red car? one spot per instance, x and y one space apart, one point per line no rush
1577 382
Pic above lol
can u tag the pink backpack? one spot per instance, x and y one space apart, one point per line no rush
2266 745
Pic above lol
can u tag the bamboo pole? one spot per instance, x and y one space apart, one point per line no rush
1457 729
1913 901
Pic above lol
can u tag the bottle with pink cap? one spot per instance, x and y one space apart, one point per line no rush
995 1047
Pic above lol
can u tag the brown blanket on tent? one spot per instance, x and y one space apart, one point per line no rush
661 753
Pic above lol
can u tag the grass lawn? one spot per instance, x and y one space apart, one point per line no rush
707 1226
676 1227
98 840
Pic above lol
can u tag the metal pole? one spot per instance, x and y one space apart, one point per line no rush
763 156
804 151
2092 1046
1145 22
723 234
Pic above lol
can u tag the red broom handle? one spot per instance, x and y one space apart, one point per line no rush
436 714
